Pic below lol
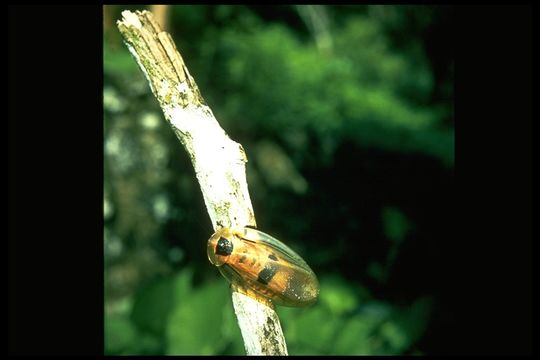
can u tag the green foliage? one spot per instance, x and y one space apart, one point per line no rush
118 61
339 297
311 331
412 323
196 324
123 337
396 225
199 320
374 92
360 326
299 90
120 335
153 305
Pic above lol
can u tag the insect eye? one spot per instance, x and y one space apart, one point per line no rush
224 247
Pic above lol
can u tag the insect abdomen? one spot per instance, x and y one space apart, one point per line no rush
262 265
284 283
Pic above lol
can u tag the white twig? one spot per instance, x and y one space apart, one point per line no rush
218 161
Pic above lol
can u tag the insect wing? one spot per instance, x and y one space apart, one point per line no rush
286 252
287 277
231 274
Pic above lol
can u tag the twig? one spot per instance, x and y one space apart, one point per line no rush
316 19
218 161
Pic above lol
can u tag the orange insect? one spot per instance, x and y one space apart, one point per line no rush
254 261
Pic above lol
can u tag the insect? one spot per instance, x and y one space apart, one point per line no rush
256 262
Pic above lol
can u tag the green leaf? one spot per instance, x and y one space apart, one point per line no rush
395 336
313 330
231 331
153 304
339 296
415 319
195 324
118 61
406 326
120 335
376 271
355 337
396 225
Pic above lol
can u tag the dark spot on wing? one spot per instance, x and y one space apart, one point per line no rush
266 274
273 257
242 259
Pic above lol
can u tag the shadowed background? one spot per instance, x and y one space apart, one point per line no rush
346 116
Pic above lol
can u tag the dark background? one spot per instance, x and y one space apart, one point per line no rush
463 255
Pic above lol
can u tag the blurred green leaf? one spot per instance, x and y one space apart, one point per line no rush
118 61
354 337
231 331
120 335
395 336
182 283
356 95
376 271
404 327
339 296
153 305
313 329
395 223
415 319
195 324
